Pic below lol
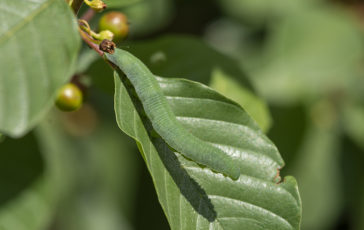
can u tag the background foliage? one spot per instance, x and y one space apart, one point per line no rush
294 65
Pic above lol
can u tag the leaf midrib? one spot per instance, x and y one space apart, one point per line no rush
25 21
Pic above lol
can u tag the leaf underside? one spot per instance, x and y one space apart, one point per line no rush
39 42
194 197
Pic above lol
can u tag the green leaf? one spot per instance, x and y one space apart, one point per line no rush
32 210
147 16
23 187
254 106
39 42
194 197
190 57
106 179
318 171
352 166
162 119
359 220
120 3
259 12
86 59
353 120
173 55
34 207
303 58
109 174
18 154
186 56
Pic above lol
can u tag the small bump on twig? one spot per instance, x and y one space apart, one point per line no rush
107 46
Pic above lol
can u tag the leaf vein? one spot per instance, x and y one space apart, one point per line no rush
261 209
26 20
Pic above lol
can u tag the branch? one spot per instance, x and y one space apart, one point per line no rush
88 15
92 45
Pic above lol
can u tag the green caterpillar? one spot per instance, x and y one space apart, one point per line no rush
163 119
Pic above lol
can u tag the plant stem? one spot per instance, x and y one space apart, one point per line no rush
76 5
92 45
88 15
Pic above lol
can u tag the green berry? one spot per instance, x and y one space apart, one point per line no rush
69 97
115 22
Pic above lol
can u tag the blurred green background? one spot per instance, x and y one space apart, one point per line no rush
295 65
